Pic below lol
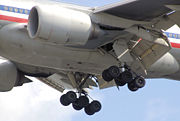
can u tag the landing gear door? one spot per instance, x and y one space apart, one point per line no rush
122 51
148 52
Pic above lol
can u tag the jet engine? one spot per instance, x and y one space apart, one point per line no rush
166 65
60 25
10 77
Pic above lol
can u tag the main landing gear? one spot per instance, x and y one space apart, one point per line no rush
78 103
122 76
80 99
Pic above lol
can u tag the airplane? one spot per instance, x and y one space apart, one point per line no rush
77 48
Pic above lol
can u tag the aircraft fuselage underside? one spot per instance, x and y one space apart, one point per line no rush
18 47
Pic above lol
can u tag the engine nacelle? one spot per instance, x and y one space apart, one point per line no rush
8 76
166 65
60 25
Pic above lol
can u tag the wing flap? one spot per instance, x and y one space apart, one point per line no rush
52 84
61 82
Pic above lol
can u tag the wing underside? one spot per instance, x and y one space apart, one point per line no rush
140 10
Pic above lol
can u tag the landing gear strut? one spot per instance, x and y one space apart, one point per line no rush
122 76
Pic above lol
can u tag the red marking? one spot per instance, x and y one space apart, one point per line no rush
175 45
139 39
13 19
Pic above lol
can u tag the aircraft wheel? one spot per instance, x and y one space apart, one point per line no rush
106 76
68 98
83 101
76 106
64 100
114 71
88 111
139 82
95 106
71 96
127 76
120 82
132 87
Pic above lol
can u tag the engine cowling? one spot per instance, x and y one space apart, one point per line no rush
59 25
166 65
8 76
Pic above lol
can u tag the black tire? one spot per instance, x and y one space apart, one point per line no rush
64 100
132 87
88 111
139 82
120 82
106 76
76 106
114 71
71 96
83 101
127 76
95 106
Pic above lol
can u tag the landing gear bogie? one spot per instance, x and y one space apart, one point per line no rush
80 103
122 76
